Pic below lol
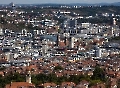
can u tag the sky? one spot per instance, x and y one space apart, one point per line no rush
55 1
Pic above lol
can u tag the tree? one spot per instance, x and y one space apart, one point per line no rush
94 82
58 68
35 80
98 74
52 77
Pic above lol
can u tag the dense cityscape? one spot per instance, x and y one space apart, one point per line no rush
59 46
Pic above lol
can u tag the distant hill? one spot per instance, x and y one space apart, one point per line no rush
102 4
71 4
116 4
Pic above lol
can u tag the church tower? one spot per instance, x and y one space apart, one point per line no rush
28 75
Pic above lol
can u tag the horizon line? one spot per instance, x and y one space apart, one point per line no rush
64 3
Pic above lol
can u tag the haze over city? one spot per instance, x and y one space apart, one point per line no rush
56 1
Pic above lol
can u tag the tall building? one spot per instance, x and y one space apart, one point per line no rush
70 23
115 28
45 47
114 21
28 75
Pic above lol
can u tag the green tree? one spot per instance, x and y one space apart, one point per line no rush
35 80
98 74
61 79
58 68
94 82
52 77
42 77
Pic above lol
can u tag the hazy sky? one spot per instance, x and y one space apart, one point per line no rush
55 1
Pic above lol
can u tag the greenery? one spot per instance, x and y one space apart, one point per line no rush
94 82
115 38
99 74
2 68
16 77
98 77
58 68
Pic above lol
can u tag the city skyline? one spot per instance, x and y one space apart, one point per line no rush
56 1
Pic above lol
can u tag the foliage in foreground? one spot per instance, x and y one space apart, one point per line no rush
98 76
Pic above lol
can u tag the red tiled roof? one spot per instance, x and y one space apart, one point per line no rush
19 84
61 44
68 83
48 84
